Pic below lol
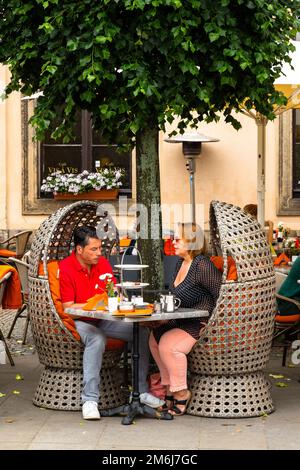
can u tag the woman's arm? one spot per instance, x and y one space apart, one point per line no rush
209 277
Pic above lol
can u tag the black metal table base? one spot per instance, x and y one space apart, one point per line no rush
136 409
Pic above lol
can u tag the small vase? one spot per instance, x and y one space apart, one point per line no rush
112 304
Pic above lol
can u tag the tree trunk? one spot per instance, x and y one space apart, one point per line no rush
149 216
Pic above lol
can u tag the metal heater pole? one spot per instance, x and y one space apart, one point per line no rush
191 166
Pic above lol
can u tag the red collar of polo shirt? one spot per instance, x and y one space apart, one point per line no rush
77 265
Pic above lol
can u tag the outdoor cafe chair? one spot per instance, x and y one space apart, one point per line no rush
226 366
61 354
18 242
22 269
3 282
286 327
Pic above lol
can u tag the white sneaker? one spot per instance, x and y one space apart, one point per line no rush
90 410
150 400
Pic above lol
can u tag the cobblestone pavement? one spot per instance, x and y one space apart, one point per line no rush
24 426
15 342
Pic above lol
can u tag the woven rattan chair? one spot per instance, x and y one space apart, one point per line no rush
22 269
61 380
18 242
287 327
3 282
226 365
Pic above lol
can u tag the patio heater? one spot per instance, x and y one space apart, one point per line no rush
191 148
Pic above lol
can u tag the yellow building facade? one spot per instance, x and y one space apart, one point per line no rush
226 170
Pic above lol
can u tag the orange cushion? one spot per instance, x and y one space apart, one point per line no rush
287 318
7 253
53 278
124 242
169 249
219 264
12 297
112 344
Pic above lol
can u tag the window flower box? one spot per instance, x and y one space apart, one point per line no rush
92 195
92 186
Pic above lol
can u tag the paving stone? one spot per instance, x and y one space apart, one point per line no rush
24 426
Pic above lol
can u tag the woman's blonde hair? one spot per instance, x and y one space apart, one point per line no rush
194 236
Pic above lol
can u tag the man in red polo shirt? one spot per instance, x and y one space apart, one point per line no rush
79 280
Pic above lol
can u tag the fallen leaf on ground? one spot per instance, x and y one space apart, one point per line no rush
2 395
281 384
16 392
291 366
19 377
278 376
9 420
264 415
19 341
228 425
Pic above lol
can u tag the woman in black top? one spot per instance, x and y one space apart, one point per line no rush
196 282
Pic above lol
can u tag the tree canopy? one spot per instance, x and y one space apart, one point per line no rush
136 64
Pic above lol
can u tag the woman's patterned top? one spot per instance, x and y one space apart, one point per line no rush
199 289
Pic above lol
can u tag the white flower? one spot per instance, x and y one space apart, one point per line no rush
105 178
102 277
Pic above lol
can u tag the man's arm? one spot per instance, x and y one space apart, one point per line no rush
72 305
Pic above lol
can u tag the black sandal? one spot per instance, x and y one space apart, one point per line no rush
165 407
176 411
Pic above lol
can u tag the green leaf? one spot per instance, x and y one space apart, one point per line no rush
47 27
102 39
134 127
72 44
51 69
213 37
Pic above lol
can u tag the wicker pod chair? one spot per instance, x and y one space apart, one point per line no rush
60 383
226 365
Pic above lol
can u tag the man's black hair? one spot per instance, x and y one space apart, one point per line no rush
83 234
